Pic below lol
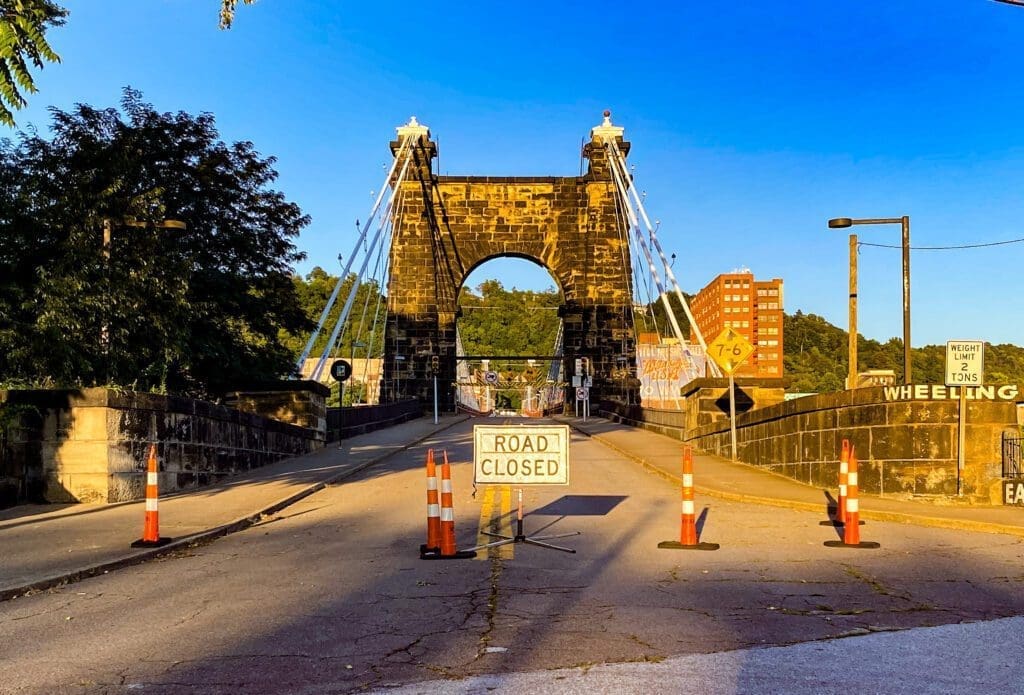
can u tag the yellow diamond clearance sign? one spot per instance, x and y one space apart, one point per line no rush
729 350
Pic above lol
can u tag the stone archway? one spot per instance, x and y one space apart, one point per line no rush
445 226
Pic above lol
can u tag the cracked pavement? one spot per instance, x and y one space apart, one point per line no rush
330 596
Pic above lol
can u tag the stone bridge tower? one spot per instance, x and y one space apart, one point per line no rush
446 226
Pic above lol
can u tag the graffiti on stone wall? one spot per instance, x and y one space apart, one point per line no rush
663 370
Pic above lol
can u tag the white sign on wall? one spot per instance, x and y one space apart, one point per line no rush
965 363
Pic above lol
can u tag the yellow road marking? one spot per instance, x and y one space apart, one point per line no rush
496 519
486 509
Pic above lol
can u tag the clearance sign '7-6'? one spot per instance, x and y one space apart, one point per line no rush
729 350
521 455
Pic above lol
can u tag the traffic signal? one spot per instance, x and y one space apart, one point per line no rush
585 365
435 364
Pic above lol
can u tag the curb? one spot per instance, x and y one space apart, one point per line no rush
874 515
209 535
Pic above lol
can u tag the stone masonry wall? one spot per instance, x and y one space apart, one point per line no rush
905 437
449 225
90 445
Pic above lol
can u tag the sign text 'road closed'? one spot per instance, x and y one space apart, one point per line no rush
521 455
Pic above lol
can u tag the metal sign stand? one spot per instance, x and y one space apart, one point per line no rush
732 413
521 537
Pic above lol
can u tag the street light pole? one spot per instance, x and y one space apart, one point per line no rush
904 222
851 379
108 229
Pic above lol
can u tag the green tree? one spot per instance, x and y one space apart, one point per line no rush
23 45
197 310
362 335
227 12
496 321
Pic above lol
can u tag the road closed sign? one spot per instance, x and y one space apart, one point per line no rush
965 363
521 455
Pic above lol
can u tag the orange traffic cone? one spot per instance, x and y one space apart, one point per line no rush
844 472
433 544
151 527
840 514
851 530
688 530
448 549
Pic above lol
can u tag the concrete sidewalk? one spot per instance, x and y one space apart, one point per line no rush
718 477
41 547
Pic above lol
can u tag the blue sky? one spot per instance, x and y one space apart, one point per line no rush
751 124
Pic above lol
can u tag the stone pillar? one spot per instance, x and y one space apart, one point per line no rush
445 226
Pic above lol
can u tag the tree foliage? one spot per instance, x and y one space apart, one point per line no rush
363 333
817 359
496 321
195 310
23 46
227 12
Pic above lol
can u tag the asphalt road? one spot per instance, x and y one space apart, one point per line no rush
330 596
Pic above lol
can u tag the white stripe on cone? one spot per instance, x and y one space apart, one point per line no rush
447 514
852 505
151 504
687 479
688 507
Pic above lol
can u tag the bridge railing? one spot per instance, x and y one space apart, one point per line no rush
1012 467
348 422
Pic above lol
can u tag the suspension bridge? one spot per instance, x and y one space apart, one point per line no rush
425 233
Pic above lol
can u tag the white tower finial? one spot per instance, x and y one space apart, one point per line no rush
606 129
413 128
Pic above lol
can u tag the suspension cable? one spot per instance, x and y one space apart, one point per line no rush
617 176
352 293
620 161
406 143
380 293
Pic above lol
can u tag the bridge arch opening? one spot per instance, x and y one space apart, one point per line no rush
508 338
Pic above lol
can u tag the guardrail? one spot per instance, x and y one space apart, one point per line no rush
348 422
1012 467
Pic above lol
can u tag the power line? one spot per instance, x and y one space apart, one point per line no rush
943 248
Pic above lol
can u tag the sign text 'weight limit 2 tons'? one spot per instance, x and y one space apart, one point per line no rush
521 455
965 362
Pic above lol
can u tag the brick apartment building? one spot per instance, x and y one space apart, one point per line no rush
752 308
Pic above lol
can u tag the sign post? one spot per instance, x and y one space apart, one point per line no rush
489 379
521 455
729 350
965 366
583 396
